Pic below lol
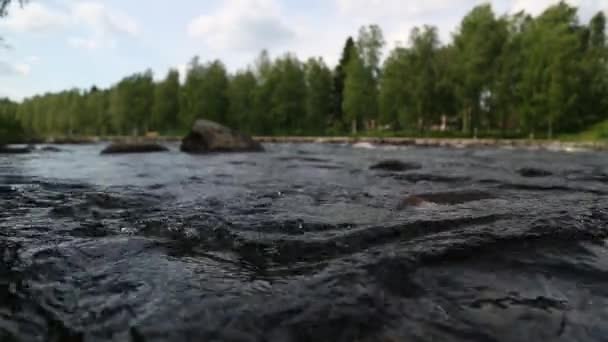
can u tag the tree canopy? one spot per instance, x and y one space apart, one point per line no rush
515 75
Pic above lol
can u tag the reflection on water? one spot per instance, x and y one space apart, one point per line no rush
304 243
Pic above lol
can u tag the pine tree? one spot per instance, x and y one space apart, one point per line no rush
338 84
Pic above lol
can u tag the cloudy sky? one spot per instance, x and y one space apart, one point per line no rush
58 44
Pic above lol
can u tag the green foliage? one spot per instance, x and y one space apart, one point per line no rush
369 45
318 96
165 109
510 76
478 44
360 96
597 31
241 109
394 97
550 70
288 99
10 128
280 96
596 132
204 94
424 76
131 103
357 98
339 78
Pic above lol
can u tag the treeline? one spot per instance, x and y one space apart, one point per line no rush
11 129
503 75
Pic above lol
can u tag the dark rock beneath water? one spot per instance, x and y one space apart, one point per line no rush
208 136
134 147
4 189
15 150
532 172
424 177
50 149
395 165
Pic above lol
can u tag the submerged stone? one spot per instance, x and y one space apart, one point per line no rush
395 165
134 147
15 150
533 172
50 149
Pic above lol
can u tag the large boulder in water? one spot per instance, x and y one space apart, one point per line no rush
208 136
134 147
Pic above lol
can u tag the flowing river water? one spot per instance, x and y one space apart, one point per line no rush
304 243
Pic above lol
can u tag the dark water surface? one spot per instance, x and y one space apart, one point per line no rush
304 243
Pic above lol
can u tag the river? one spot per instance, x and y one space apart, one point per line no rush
304 243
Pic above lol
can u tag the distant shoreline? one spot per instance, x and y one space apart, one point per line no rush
557 145
447 142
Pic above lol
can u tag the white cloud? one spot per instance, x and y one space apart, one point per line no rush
36 17
33 59
23 68
242 25
182 69
14 69
532 7
96 24
398 17
84 43
6 69
103 20
102 24
11 93
398 8
416 9
587 8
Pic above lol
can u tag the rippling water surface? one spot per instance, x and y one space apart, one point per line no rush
304 243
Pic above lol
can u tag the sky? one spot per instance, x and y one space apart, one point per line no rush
52 45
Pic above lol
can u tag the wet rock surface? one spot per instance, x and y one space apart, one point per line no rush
50 149
534 172
209 137
278 247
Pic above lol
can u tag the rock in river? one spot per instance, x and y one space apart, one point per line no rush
134 147
208 136
395 165
50 149
533 172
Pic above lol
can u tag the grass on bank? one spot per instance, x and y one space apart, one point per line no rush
597 132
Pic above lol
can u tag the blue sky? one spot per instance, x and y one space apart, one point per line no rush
60 44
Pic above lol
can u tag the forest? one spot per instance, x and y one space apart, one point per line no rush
500 75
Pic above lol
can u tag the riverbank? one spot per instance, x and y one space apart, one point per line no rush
447 142
553 145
